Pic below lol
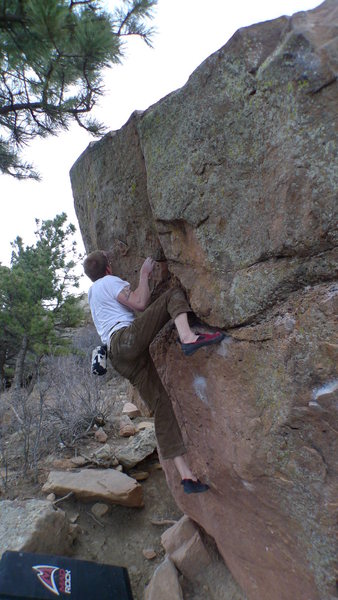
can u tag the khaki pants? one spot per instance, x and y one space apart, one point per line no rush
129 355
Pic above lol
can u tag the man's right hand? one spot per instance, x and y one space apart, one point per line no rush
139 298
147 266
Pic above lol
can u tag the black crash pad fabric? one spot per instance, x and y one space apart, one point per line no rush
26 576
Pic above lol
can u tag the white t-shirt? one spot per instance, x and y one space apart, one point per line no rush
109 315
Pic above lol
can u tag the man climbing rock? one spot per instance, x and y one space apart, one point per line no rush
112 305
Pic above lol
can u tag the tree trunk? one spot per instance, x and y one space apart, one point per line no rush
20 363
2 372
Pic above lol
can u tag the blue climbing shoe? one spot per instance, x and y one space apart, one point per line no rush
194 487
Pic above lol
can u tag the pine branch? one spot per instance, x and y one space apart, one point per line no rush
126 19
4 110
6 19
88 3
52 57
139 8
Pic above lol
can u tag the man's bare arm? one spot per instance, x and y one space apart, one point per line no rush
124 294
139 298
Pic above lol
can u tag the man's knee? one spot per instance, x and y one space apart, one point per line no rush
177 302
175 291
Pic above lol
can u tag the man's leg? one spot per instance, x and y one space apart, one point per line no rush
142 374
172 304
146 326
130 357
153 393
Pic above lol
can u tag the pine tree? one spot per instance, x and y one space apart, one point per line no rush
36 298
52 53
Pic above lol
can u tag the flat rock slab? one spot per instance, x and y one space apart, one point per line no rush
34 526
107 485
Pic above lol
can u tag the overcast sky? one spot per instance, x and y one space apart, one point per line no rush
188 31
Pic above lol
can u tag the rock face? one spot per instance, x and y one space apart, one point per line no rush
34 526
262 418
232 178
232 175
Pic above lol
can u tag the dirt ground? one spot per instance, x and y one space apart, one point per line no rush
120 536
123 533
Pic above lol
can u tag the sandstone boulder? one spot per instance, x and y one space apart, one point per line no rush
137 449
185 548
144 425
99 509
131 410
264 404
79 461
178 534
101 436
61 464
105 456
107 485
127 428
149 553
164 584
140 475
34 526
233 178
135 398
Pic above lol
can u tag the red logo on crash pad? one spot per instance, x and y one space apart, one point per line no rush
46 574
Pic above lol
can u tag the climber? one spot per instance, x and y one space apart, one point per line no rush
112 305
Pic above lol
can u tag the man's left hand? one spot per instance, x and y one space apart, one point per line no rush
147 266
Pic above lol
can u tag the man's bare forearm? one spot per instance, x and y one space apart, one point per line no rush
141 296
